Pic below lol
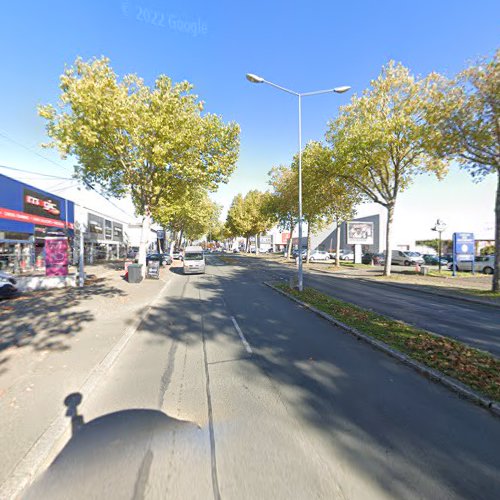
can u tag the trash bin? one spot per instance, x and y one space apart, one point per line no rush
134 273
424 270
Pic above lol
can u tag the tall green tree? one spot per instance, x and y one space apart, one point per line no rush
283 201
129 138
248 215
192 217
325 197
466 114
381 140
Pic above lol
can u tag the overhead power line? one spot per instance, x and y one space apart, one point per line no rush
36 173
68 179
27 148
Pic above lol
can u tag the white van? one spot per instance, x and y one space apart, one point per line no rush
194 260
406 258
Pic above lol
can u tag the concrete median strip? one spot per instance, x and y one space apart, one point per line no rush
435 375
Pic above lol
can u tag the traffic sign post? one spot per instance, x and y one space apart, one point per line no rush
463 249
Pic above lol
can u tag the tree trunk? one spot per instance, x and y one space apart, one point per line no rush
388 240
179 243
145 230
496 274
337 244
290 242
246 244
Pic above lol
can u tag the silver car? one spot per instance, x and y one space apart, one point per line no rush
482 264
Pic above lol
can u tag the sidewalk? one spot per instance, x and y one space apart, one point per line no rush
50 341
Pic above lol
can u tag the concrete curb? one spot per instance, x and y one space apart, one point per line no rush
416 289
434 375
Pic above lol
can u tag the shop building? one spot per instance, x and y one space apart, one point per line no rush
28 216
105 237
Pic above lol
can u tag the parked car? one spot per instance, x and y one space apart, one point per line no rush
377 258
235 250
319 255
448 257
433 260
167 259
482 264
406 258
163 258
295 253
176 254
8 286
347 256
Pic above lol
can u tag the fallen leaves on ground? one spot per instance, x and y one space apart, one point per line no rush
475 368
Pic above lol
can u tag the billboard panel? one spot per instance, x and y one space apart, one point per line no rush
463 246
360 233
56 257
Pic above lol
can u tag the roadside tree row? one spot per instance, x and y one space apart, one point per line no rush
401 127
153 143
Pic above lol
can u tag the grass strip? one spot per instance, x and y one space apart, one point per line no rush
472 367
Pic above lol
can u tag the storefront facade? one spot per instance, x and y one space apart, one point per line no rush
28 216
105 238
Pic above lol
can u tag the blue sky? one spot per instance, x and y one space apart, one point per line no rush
301 45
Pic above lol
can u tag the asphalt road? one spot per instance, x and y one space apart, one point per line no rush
475 324
229 390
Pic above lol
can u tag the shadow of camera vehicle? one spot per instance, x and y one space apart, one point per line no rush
121 455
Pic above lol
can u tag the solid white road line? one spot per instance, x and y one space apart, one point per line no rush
242 337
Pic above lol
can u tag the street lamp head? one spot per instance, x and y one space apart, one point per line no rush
341 90
254 78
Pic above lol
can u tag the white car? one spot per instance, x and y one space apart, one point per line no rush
319 255
194 260
482 264
347 256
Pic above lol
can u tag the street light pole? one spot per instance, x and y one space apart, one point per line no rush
338 90
300 281
440 226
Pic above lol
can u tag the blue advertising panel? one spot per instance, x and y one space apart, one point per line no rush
463 250
463 246
22 207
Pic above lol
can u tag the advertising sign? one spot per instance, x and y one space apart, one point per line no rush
266 240
15 215
37 203
56 257
463 247
285 237
360 233
22 206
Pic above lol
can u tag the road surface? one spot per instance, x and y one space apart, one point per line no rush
230 390
475 324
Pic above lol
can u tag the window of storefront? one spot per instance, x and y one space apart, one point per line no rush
109 230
